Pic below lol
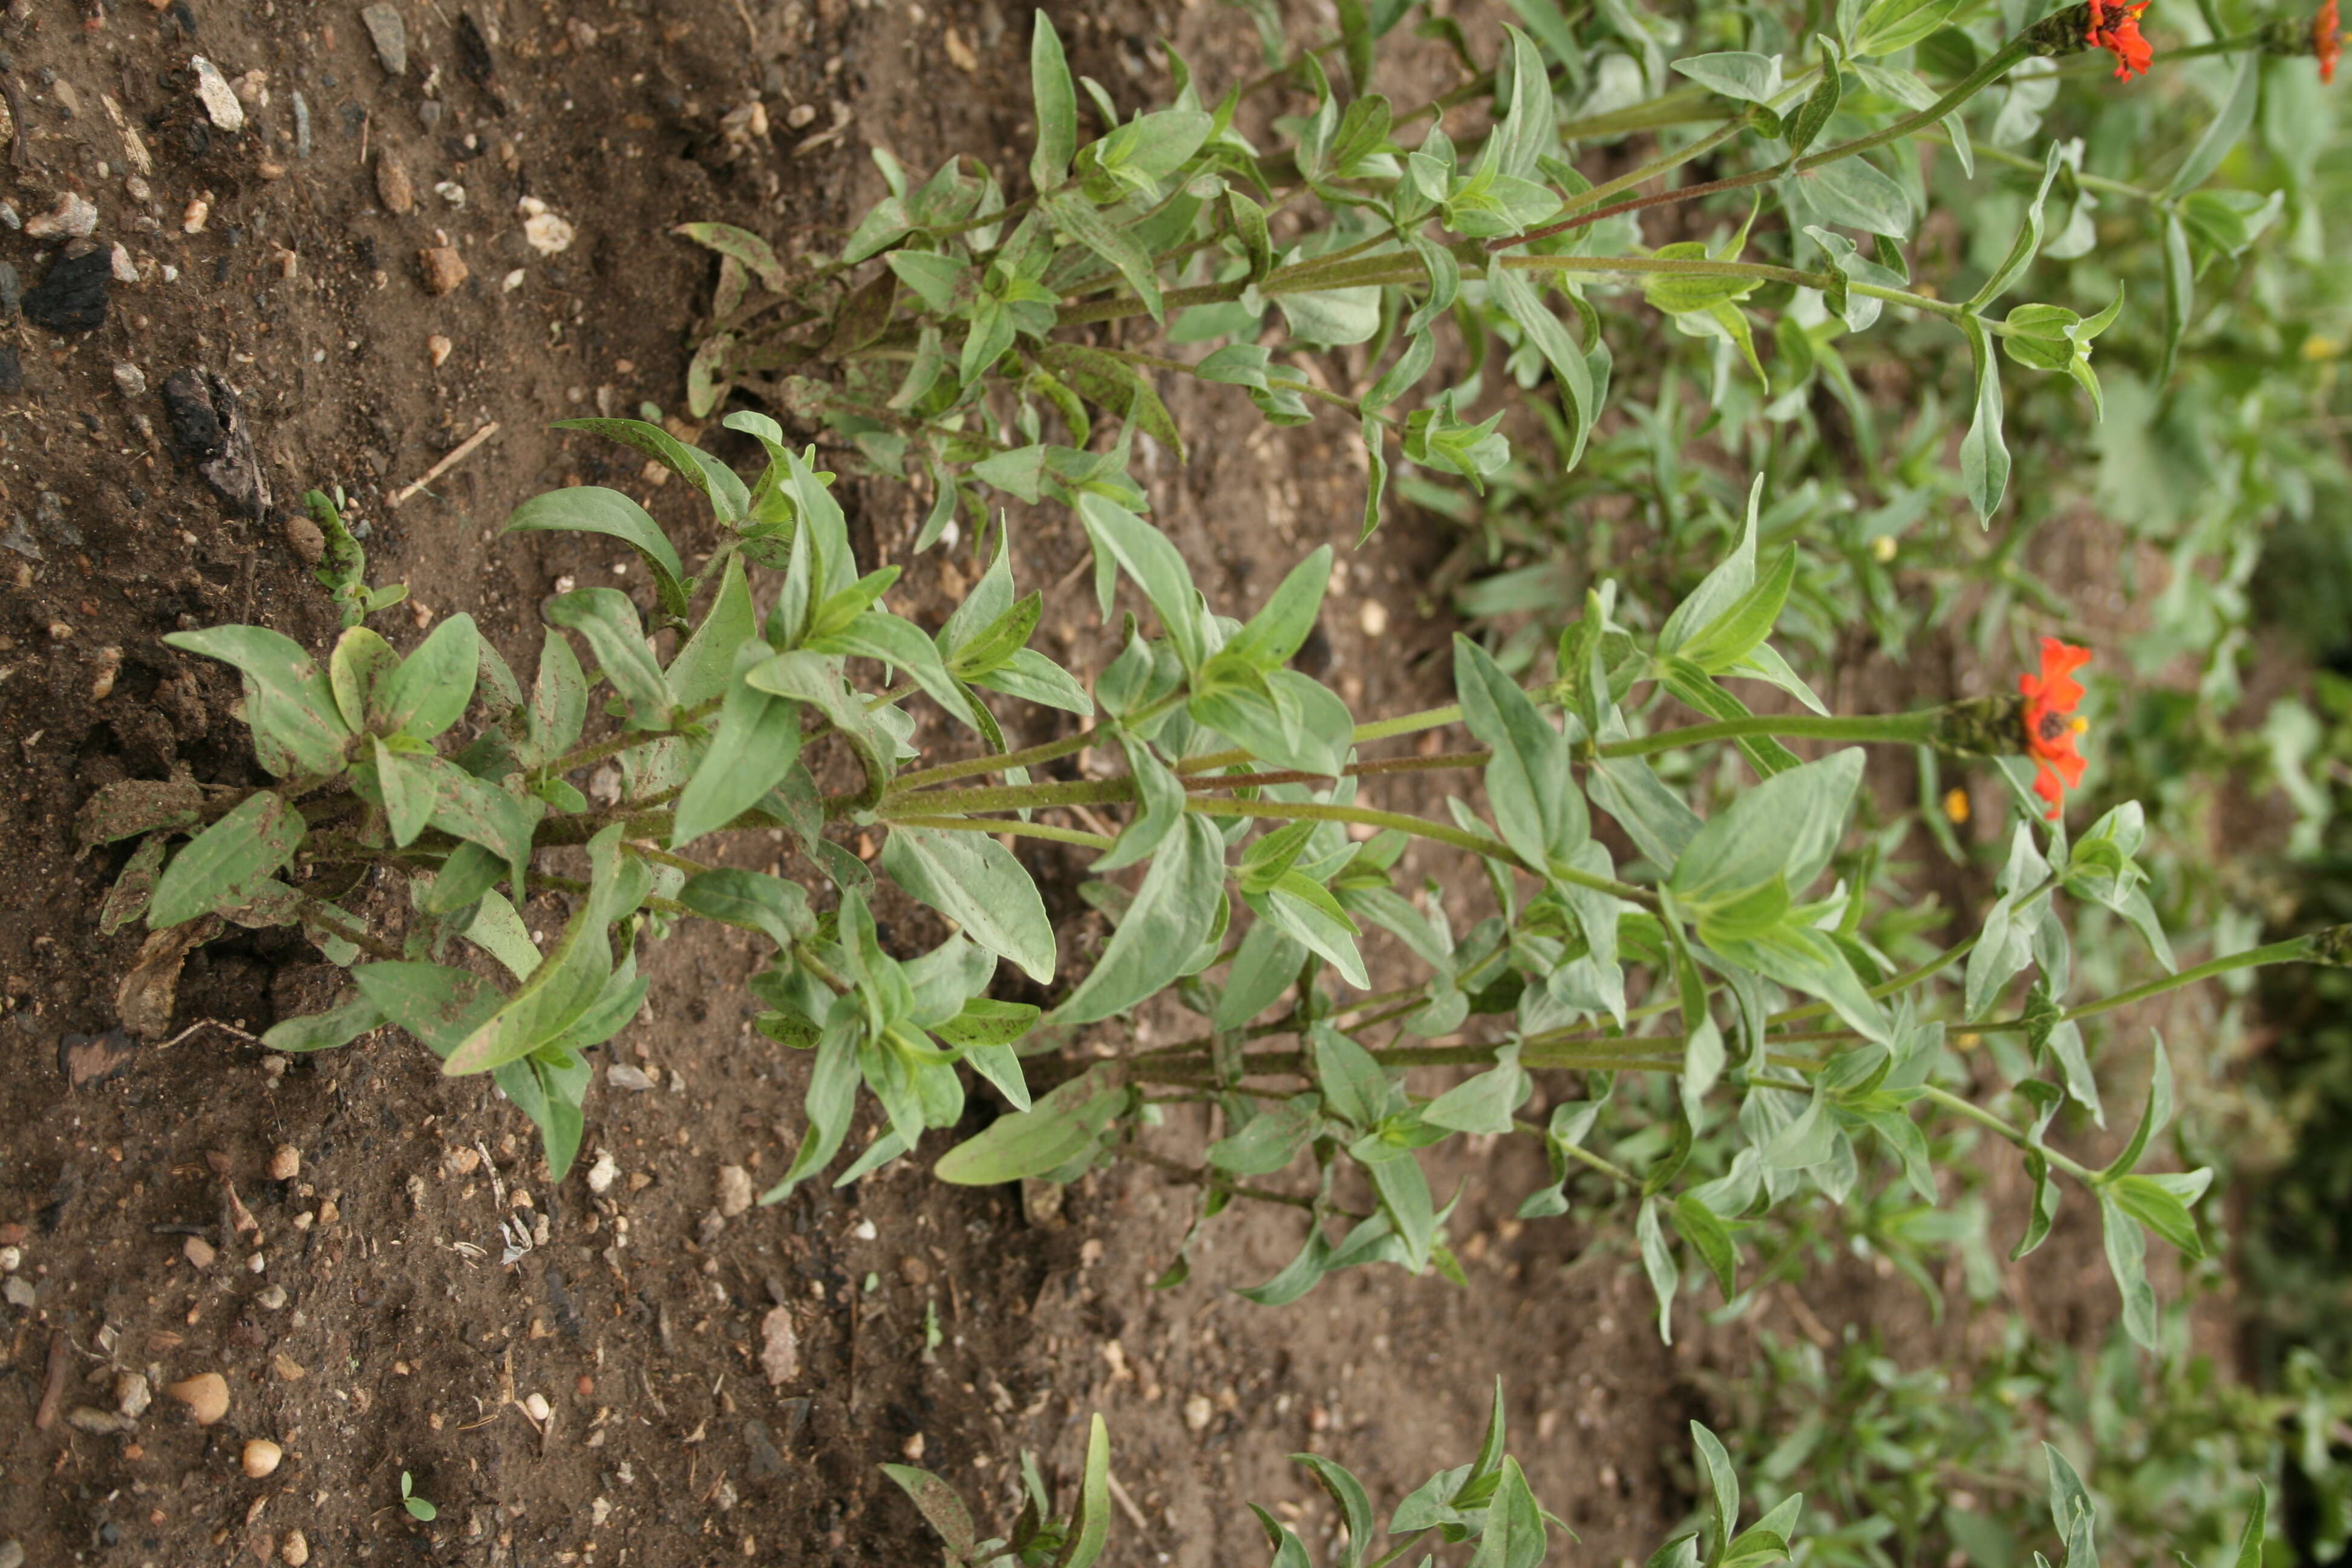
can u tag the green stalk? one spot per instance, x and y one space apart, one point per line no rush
1890 728
2294 950
1976 1113
1018 829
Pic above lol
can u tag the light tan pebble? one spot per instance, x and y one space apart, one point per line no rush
295 1549
442 268
132 1394
437 349
199 1252
734 1190
261 1458
205 1395
220 100
285 1162
537 1406
1373 617
393 188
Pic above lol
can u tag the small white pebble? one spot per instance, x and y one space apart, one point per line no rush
863 1230
536 1404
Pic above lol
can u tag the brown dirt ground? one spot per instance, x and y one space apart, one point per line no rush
400 1339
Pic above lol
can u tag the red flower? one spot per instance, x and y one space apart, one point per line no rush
2121 40
2050 728
2327 39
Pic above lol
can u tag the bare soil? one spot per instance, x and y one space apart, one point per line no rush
371 1324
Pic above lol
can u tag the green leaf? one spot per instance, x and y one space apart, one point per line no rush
324 1031
942 281
1272 1138
1853 193
1057 1130
1511 1535
2180 290
745 247
1529 783
2027 243
937 1501
226 864
2161 1204
1090 1525
1158 568
1056 100
407 788
564 986
1806 122
439 1005
758 741
1721 1483
617 638
1483 1103
900 643
1114 384
1711 1239
2127 1249
355 669
127 900
753 900
1348 1496
1404 1190
2250 1538
1074 214
434 685
292 709
718 482
1784 830
2044 1212
593 509
1173 913
1749 78
1984 453
2228 128
1160 797
558 704
1570 371
2155 1113
976 882
1658 1263
702 667
2069 1509
1281 626
482 813
828 1103
984 1022
1891 26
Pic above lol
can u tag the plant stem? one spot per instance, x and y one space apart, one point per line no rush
1891 729
1203 1176
1419 828
1614 1172
1032 755
583 757
1018 829
2294 950
1960 1106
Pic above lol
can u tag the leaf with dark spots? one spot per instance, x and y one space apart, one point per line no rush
134 806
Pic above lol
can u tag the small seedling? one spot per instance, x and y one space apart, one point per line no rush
419 1509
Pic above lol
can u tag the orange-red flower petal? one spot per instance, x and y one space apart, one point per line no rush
2327 39
2122 38
2051 698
